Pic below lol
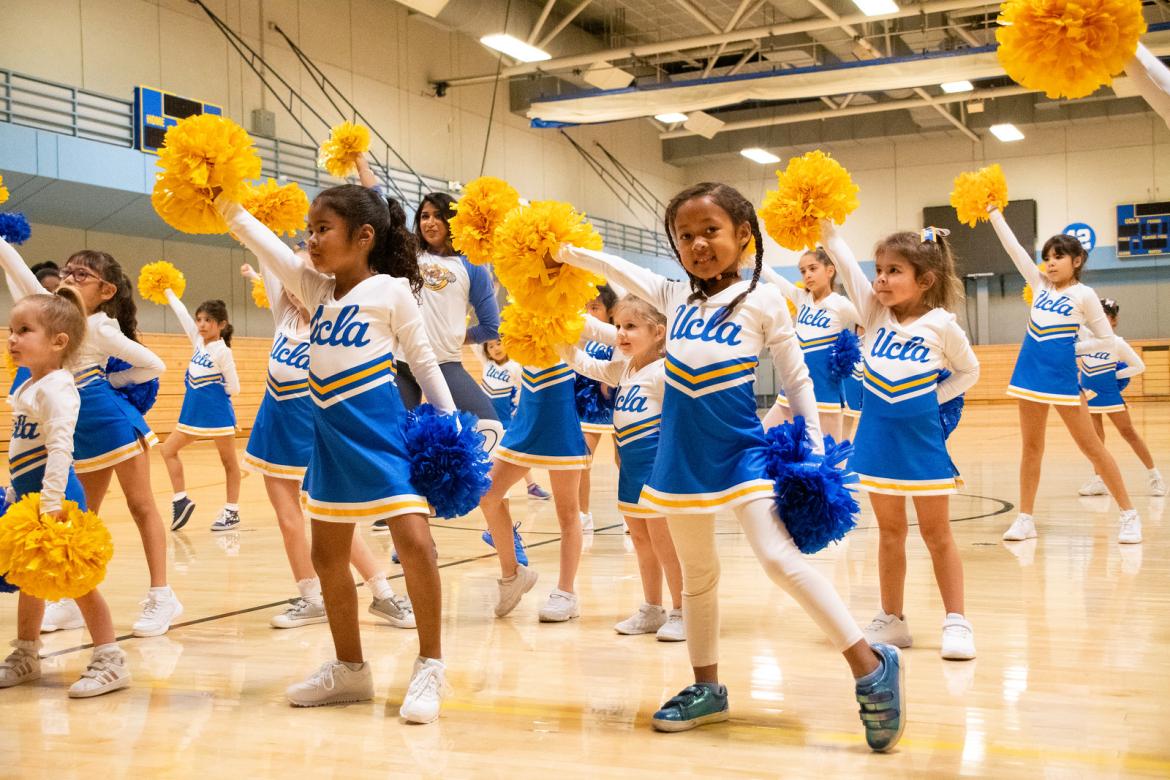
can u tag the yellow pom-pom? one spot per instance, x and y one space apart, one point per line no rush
260 295
523 240
281 208
485 203
3 190
811 188
532 339
791 305
202 156
51 559
347 142
1027 294
156 278
10 365
1068 48
976 190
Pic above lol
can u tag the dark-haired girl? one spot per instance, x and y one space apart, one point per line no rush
713 447
111 436
364 315
1046 371
207 411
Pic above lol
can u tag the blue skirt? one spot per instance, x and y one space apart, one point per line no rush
899 449
1102 391
207 412
637 461
851 391
31 481
545 433
1046 372
826 389
281 441
109 429
503 407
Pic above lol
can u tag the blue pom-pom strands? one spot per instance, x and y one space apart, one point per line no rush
141 397
14 228
951 412
846 352
592 405
448 465
1122 383
5 585
814 493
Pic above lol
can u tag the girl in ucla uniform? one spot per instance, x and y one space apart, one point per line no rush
597 421
500 378
207 411
1046 371
279 448
900 448
111 436
851 390
712 450
821 316
364 317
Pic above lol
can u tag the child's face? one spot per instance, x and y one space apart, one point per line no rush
709 244
331 249
897 284
595 308
817 277
30 344
496 351
209 327
1061 268
434 229
637 337
89 284
1112 320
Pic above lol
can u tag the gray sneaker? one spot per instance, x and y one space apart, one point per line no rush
228 520
395 610
333 683
301 612
511 590
106 673
22 665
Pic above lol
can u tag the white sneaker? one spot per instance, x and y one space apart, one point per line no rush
333 683
302 612
560 607
958 639
61 615
586 521
395 610
22 665
888 630
1130 531
1023 528
106 672
674 629
1157 485
511 590
647 620
428 683
1094 487
158 612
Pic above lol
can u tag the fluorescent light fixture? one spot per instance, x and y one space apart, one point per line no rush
671 118
951 87
1007 132
876 7
755 154
514 48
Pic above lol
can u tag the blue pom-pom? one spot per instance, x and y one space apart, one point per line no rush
5 585
813 492
448 465
14 227
141 396
951 412
593 406
1122 383
845 354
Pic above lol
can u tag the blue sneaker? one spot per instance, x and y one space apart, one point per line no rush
394 557
181 512
694 705
517 540
882 694
539 493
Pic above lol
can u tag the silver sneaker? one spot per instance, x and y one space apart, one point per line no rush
106 673
512 590
332 683
647 620
301 612
395 610
888 630
22 665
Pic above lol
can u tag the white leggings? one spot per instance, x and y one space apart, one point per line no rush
694 538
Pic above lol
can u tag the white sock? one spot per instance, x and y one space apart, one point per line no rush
232 507
1023 516
165 590
379 587
310 588
178 497
1155 474
111 648
1128 513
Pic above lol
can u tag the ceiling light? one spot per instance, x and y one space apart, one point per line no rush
951 87
755 154
876 7
1007 132
514 48
671 118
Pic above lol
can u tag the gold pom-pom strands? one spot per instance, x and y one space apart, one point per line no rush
533 339
156 278
813 187
478 213
339 154
976 191
52 559
280 208
260 294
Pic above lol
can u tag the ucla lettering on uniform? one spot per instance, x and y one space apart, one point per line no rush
345 331
886 345
297 357
690 325
203 359
816 318
1045 302
496 372
630 400
23 429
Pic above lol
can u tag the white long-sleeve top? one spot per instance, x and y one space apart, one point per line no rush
104 338
637 410
377 317
288 360
210 357
817 322
44 416
898 352
760 322
501 380
1118 352
1152 80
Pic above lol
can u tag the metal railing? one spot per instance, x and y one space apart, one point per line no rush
59 108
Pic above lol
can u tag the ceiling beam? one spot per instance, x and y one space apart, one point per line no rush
562 24
540 20
740 13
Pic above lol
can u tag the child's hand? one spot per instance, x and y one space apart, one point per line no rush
60 516
551 262
247 272
828 230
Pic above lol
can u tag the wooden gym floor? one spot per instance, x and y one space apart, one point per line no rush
1068 682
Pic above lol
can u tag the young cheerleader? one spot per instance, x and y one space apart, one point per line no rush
1046 372
279 448
1101 378
822 314
45 333
111 436
900 449
713 448
500 379
207 411
600 420
364 315
637 377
